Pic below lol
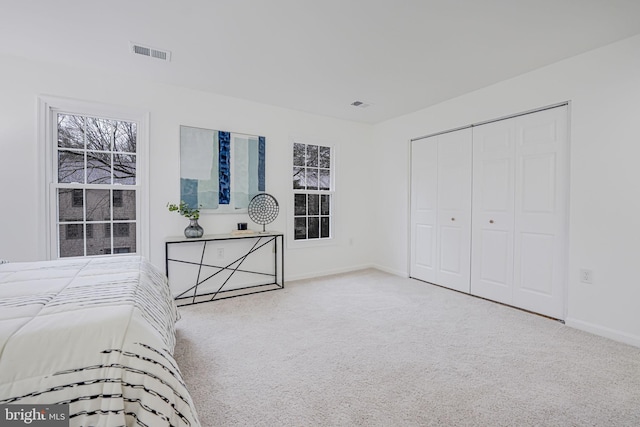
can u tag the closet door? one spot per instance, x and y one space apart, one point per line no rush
519 221
441 209
454 210
541 196
493 211
424 199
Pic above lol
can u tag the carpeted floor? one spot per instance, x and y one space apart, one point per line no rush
371 349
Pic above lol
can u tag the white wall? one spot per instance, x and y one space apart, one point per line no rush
603 87
22 81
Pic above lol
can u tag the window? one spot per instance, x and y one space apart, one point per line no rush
94 177
313 192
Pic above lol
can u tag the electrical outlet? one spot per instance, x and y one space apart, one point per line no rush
586 276
220 253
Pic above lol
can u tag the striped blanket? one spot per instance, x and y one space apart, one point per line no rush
97 334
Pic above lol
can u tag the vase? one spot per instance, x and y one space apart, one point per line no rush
193 230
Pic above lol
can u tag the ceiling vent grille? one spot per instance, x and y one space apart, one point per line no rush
151 52
360 104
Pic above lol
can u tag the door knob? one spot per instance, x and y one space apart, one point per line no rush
490 221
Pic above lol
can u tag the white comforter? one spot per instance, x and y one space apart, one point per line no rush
95 333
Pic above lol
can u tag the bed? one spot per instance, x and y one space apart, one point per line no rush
97 334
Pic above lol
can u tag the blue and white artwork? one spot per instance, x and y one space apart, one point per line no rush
220 170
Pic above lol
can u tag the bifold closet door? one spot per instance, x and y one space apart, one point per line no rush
519 203
493 211
541 200
424 202
454 210
441 209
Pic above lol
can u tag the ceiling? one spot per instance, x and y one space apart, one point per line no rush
318 56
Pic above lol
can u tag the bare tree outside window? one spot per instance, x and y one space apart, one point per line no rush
312 186
96 178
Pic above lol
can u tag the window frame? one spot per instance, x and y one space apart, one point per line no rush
48 108
320 241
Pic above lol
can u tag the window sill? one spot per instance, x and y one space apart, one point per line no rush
310 243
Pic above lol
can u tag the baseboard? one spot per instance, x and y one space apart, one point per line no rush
399 273
602 331
323 273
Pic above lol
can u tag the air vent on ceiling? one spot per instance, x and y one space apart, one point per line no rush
360 104
151 52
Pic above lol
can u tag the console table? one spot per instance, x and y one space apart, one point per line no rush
222 266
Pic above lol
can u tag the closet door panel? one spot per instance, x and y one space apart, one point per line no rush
454 209
540 212
424 252
424 199
534 264
494 260
493 211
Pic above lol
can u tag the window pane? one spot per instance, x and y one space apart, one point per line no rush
312 179
99 243
300 204
124 237
300 225
98 206
314 204
99 134
299 181
324 227
126 137
74 245
325 157
325 179
124 169
299 154
314 227
325 207
312 155
98 168
121 229
124 204
117 198
73 231
70 131
67 210
70 167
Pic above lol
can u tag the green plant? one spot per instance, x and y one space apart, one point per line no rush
184 210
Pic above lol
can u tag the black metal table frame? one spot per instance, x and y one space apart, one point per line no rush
233 266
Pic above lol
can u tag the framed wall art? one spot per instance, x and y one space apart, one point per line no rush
220 171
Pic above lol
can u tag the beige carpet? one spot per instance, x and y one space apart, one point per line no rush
371 349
